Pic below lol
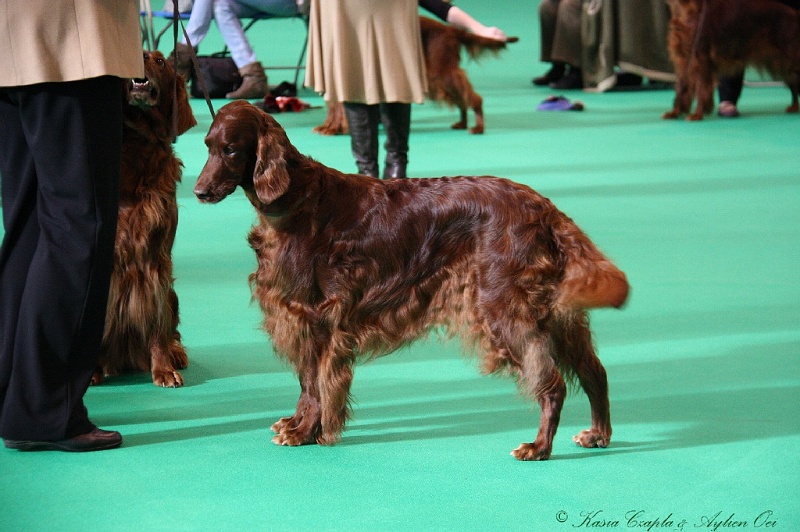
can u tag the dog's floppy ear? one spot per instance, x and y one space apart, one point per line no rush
183 118
270 177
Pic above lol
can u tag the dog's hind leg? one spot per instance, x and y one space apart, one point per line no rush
572 345
476 103
164 343
540 378
177 352
550 394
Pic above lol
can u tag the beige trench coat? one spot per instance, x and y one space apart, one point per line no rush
68 40
366 51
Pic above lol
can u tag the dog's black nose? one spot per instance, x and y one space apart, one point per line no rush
201 194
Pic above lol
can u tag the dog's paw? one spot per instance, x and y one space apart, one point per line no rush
282 423
325 438
531 452
97 377
670 115
294 431
167 379
592 438
292 437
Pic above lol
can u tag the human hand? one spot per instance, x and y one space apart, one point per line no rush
492 33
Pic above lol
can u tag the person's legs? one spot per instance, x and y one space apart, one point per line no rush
197 29
567 46
730 89
396 119
229 13
60 191
199 22
363 121
548 12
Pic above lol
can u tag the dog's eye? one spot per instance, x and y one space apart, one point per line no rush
160 62
229 150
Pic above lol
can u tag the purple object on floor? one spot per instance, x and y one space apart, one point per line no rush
559 103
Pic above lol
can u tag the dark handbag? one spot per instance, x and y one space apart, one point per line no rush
219 73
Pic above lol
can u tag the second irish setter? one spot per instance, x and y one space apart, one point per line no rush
141 322
353 267
711 38
447 81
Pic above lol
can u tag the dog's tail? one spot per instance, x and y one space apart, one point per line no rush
477 46
590 279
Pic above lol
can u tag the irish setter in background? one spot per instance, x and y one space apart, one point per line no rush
141 322
354 267
447 81
711 38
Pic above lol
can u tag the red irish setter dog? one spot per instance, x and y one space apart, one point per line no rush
355 267
141 322
710 38
447 81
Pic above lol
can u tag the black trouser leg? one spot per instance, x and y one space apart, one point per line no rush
730 87
396 118
60 147
363 121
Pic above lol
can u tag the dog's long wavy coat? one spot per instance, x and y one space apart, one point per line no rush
711 38
142 318
350 266
447 81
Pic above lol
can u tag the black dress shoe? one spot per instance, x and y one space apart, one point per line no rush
571 80
551 76
96 440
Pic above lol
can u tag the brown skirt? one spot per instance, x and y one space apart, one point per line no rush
366 51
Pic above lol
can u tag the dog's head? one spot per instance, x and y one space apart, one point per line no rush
247 148
161 95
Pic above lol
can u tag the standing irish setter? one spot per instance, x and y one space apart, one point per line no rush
711 38
352 267
142 318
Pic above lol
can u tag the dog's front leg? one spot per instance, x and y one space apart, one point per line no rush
334 380
304 425
161 360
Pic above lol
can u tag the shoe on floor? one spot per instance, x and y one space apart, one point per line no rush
551 76
727 109
96 440
571 80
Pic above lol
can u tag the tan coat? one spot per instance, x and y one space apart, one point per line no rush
68 40
366 51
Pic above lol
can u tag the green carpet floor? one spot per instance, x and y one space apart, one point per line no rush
703 363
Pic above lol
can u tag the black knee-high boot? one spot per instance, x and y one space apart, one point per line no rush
396 118
363 120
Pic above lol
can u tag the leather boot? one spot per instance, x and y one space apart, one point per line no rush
181 56
396 118
254 83
363 121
